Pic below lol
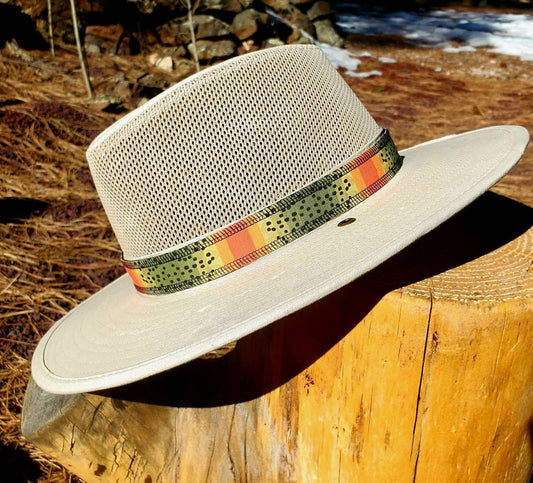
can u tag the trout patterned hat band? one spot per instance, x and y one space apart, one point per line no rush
270 228
242 194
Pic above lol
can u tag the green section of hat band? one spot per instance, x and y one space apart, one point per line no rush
271 228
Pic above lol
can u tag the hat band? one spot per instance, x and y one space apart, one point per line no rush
273 227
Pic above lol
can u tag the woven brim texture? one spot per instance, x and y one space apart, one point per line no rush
119 336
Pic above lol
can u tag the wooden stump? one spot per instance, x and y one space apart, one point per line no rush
420 371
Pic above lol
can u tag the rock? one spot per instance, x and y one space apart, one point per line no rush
173 33
123 89
325 32
92 48
245 24
226 5
301 21
279 5
299 2
318 10
165 63
152 82
207 26
247 46
109 102
298 36
175 52
246 3
272 42
184 68
302 40
208 50
103 39
142 101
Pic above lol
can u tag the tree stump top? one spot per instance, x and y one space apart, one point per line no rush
486 257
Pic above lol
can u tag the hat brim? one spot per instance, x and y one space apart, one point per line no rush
119 336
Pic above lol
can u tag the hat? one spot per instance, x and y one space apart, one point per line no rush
242 194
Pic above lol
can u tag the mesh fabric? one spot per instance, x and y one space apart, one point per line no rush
223 144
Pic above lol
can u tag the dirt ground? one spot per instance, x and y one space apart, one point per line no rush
56 245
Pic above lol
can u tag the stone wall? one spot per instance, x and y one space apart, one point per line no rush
160 32
222 28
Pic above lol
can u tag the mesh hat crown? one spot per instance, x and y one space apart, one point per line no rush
224 144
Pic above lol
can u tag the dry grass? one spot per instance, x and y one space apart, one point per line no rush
56 247
61 249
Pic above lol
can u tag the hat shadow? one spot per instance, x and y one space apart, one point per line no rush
269 357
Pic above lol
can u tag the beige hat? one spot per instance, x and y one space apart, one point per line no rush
245 193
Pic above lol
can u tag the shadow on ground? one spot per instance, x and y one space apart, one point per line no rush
17 465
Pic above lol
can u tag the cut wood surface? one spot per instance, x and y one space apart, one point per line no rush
422 370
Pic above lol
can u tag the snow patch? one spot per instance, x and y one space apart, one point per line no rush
363 75
509 34
340 58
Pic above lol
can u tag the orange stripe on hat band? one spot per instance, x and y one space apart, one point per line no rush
271 228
